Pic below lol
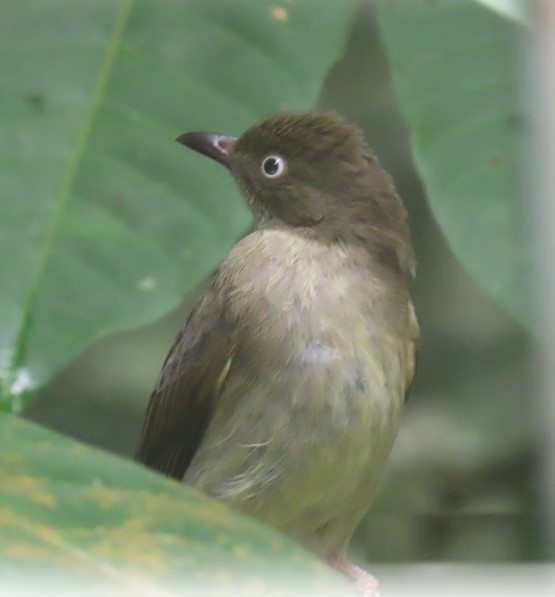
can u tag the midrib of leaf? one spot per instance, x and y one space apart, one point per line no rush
62 198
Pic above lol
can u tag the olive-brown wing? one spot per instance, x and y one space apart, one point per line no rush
187 390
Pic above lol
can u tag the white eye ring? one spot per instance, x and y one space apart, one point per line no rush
273 166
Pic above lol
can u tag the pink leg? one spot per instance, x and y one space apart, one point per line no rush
365 583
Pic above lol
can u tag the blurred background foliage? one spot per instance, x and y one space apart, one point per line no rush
462 480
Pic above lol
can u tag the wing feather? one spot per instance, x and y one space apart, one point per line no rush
187 389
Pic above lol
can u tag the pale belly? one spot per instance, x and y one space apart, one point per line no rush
303 449
311 401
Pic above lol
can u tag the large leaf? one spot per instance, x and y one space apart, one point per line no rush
105 220
453 66
70 513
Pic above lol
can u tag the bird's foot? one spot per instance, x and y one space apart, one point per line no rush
365 583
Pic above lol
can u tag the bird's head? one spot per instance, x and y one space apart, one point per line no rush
314 172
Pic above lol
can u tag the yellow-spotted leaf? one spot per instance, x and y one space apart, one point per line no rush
74 515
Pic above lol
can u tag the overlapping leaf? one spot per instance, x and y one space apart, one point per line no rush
72 514
455 72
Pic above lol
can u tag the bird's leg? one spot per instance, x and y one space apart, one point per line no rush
365 583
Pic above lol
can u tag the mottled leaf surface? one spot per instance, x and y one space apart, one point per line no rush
70 513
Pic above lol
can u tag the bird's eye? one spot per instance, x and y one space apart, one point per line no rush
273 166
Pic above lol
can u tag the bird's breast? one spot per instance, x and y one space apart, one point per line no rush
317 324
295 297
321 373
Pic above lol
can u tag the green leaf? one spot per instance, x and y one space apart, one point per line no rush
453 67
105 220
71 513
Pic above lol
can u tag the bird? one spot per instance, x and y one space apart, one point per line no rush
282 394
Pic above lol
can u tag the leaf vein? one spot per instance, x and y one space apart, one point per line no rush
64 194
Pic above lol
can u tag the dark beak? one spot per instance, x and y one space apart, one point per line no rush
215 146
